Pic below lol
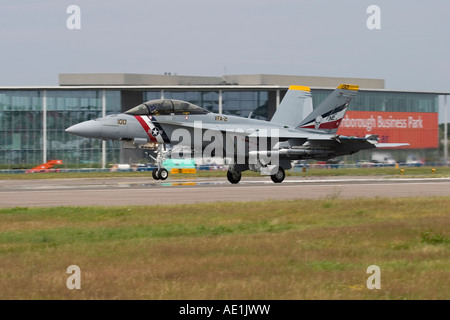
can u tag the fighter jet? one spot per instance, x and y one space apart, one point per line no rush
296 131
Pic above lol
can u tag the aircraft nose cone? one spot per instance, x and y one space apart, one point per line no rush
88 129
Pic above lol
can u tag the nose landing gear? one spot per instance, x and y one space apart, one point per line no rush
160 174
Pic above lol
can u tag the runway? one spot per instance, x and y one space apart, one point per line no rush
146 191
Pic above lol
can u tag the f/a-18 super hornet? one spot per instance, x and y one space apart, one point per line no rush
296 131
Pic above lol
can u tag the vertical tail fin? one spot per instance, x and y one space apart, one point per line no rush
328 115
295 106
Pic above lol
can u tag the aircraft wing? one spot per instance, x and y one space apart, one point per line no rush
284 134
207 126
343 144
315 139
329 145
353 143
264 132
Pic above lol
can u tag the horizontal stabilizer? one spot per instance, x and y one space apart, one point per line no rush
371 137
391 145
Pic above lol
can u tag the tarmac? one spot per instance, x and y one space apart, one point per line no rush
146 191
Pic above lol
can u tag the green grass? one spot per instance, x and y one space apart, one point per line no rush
301 249
433 237
382 171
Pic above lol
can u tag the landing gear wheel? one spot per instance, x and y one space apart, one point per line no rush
163 174
234 177
155 174
279 176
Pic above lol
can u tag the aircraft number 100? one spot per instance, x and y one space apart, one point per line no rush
122 121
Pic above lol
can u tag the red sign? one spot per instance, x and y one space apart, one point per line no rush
418 129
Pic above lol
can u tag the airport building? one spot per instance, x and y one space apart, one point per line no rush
33 119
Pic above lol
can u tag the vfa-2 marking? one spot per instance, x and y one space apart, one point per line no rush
220 118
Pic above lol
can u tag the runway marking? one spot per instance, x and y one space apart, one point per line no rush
118 194
216 188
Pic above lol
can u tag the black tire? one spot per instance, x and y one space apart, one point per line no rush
279 176
234 177
163 174
155 174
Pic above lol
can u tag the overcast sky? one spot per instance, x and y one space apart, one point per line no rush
411 51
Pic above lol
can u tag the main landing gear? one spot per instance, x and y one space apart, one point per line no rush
234 176
279 176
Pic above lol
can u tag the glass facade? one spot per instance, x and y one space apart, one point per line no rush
68 107
65 108
244 103
23 120
208 100
22 123
152 95
238 103
386 101
21 127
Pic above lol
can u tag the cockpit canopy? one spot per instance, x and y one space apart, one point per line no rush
166 107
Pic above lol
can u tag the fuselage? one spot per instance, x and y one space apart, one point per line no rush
171 129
